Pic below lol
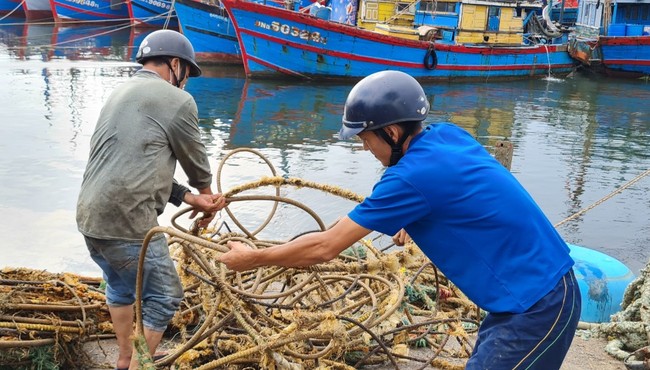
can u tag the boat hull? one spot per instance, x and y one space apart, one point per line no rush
90 11
209 29
153 13
276 42
629 55
38 10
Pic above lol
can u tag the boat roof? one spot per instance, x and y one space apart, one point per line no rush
505 3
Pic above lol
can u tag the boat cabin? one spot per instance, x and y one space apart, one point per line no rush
613 18
451 21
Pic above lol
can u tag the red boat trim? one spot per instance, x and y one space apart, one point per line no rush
337 54
627 40
356 57
631 62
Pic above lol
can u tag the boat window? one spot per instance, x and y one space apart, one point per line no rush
437 6
370 11
405 7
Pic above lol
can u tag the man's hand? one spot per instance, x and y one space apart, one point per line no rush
401 237
239 258
209 204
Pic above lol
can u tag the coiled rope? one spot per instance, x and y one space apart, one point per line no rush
365 307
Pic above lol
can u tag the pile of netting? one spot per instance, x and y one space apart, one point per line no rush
45 318
629 329
368 306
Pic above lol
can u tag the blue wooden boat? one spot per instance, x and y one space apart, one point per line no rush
278 42
209 29
613 37
90 11
153 13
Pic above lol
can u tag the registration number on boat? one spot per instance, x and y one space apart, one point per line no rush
89 3
159 4
285 29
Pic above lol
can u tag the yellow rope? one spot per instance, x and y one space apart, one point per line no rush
40 327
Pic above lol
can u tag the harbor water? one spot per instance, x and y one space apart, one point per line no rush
576 141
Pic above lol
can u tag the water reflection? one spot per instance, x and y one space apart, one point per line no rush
575 140
48 41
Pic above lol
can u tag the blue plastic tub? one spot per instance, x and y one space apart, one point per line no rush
616 30
634 30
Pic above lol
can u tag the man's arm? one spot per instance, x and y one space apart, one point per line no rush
205 201
306 250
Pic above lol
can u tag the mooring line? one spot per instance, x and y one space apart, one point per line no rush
605 198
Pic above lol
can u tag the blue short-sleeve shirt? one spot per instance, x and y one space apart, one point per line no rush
471 217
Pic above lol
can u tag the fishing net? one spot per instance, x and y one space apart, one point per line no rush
45 318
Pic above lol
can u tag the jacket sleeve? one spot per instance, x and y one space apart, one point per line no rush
178 194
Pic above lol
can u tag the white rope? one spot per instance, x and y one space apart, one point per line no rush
602 200
13 10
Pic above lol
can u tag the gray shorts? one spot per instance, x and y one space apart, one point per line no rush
162 291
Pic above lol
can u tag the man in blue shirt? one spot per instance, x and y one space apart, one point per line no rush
465 211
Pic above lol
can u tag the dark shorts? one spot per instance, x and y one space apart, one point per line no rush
536 339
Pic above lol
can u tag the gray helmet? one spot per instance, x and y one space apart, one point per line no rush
168 43
381 99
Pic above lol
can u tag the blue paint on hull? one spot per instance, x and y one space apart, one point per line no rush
157 13
14 8
277 42
626 54
91 10
209 29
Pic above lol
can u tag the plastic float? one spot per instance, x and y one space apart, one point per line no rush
602 280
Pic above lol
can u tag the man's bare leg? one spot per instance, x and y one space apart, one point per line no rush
122 317
153 338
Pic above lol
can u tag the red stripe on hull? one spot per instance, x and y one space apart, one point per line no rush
387 62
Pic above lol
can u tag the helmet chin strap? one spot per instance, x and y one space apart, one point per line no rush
177 79
396 148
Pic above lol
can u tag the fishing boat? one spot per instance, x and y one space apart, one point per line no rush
69 11
12 8
38 10
153 13
458 40
208 27
613 37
